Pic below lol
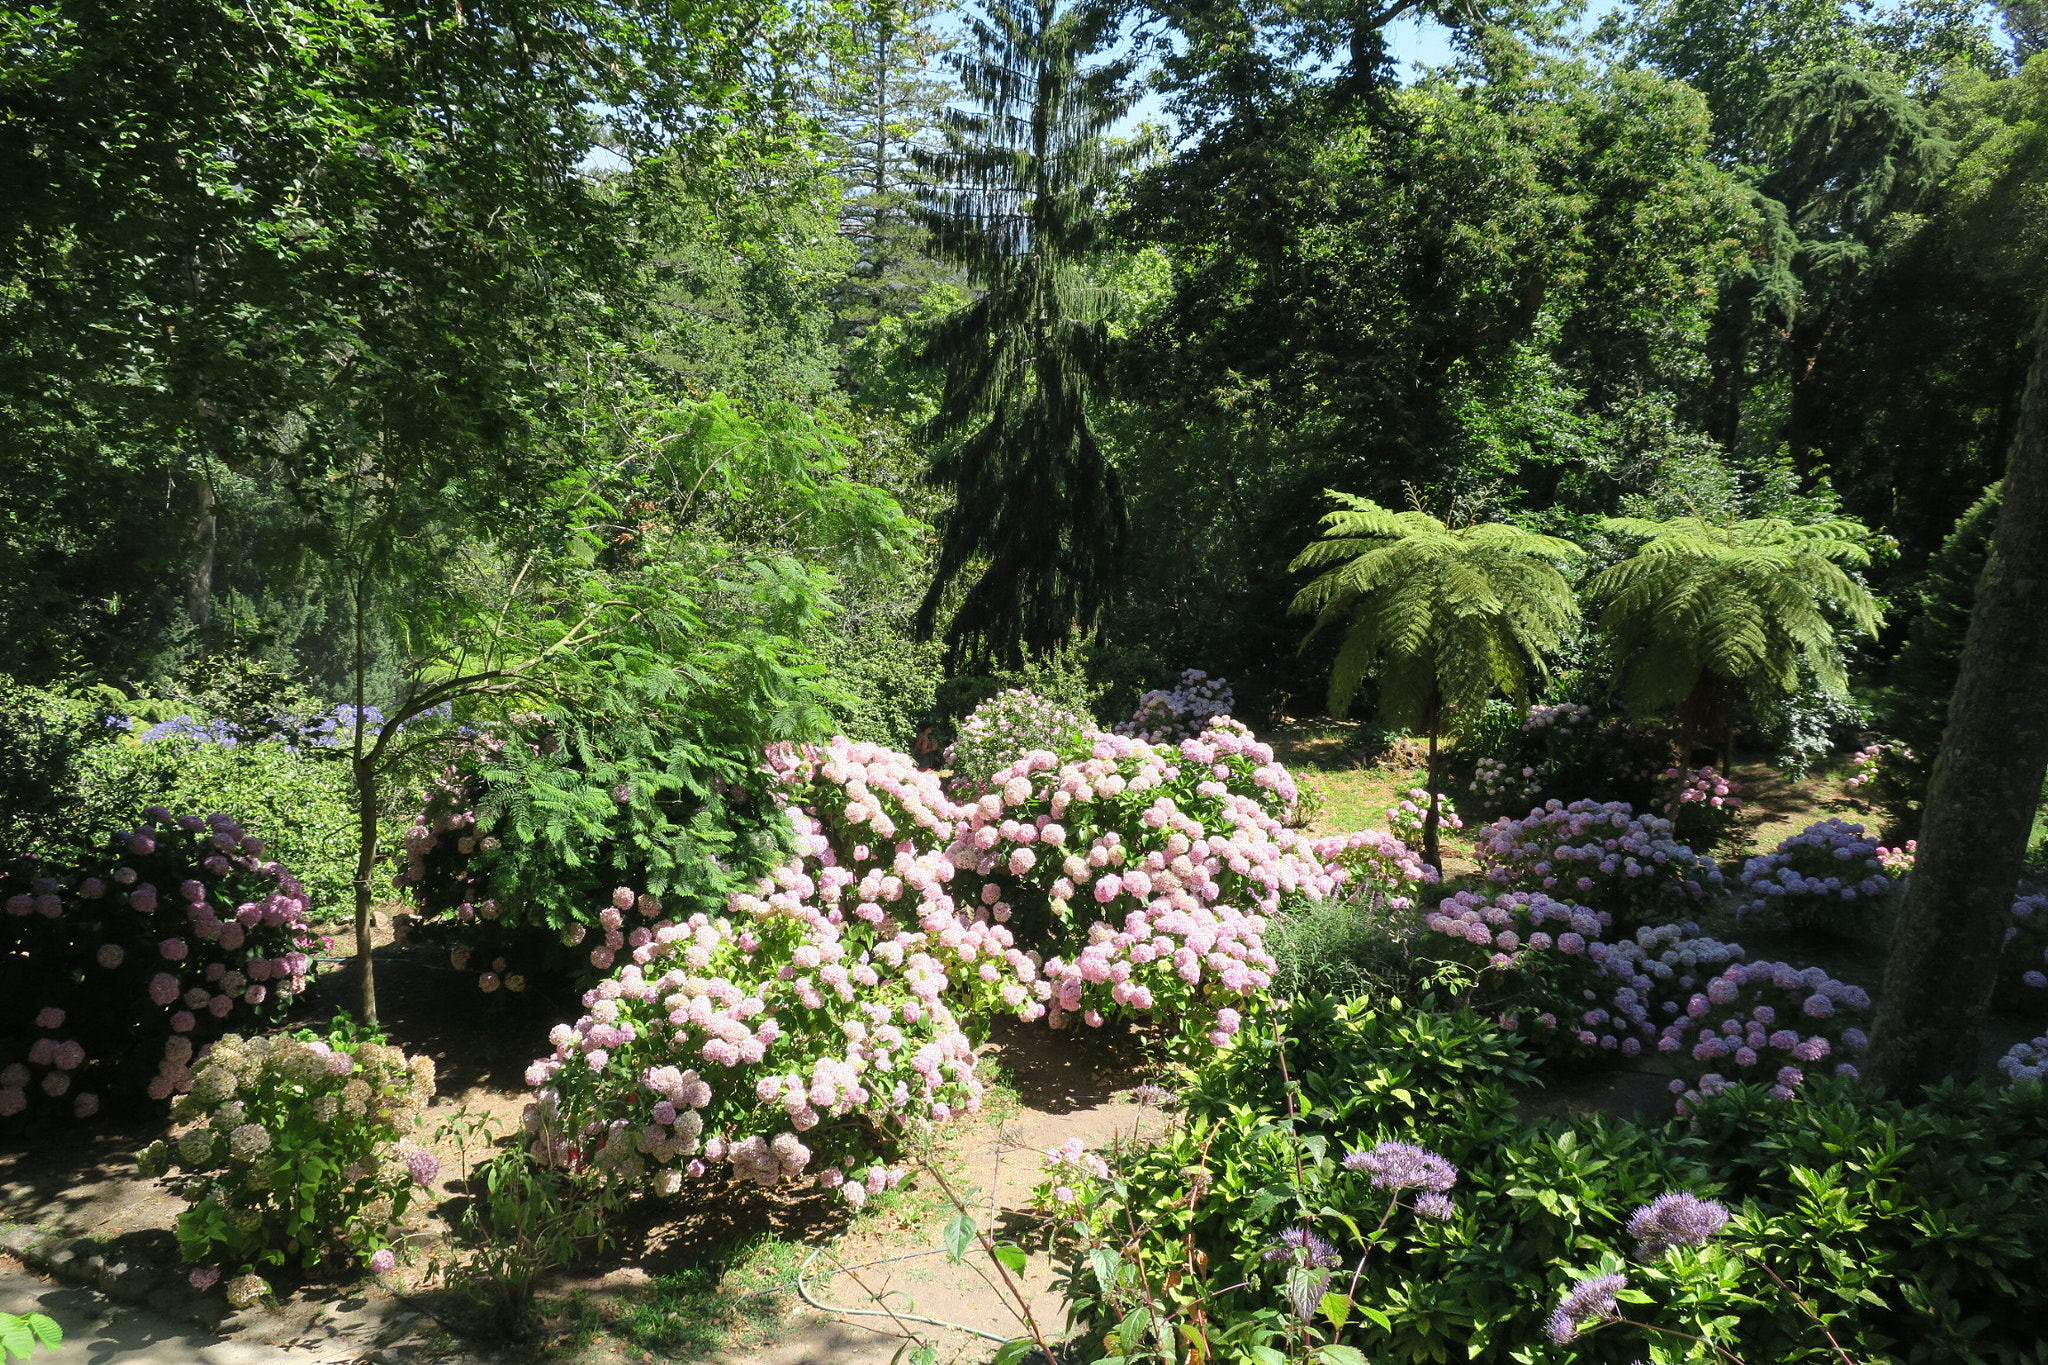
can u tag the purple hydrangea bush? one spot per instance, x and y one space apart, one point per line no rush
1768 1023
1600 854
118 975
1823 877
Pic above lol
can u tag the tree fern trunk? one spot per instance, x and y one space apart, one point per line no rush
1981 797
1431 847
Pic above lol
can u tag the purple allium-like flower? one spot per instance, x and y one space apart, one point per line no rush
1675 1220
1437 1206
1403 1166
1303 1247
1588 1299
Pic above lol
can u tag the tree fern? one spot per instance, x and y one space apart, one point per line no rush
1441 617
1703 611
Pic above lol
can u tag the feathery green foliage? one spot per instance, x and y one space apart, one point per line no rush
1745 604
1443 617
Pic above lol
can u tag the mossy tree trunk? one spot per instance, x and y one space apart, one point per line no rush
1982 794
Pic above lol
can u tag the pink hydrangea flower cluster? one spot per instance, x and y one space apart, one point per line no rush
1766 1022
1867 764
1897 862
1375 858
122 976
1494 780
1170 715
1600 854
1813 876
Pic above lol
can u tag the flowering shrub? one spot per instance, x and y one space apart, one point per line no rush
1598 854
1375 862
514 859
1897 862
773 1038
2025 951
827 1008
292 1152
1765 1022
1702 805
115 974
1548 971
2025 1061
1867 765
1813 878
1006 727
1182 712
1405 818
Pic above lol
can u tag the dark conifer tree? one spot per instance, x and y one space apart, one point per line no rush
1038 519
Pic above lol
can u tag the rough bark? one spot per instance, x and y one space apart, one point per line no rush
1981 797
205 534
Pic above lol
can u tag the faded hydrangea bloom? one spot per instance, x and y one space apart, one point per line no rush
246 1291
1675 1220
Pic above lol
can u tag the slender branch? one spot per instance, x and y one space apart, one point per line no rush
1800 1299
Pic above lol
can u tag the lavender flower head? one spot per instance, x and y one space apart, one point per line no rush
1675 1220
1303 1247
1437 1206
1588 1299
1403 1166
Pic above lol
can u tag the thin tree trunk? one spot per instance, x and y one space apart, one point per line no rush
205 531
364 769
1981 797
366 867
1432 849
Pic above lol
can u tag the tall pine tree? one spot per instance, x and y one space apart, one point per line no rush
1017 200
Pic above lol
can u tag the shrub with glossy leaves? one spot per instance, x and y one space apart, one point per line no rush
292 1151
1827 876
116 972
1600 854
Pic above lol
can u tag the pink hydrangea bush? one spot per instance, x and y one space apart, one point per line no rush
1183 711
1600 854
1145 874
294 1150
1566 750
1827 876
773 1039
1766 1022
1703 805
116 975
1406 817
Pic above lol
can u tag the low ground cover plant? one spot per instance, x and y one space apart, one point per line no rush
117 972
